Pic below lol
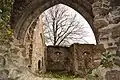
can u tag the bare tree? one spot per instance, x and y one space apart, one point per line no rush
61 27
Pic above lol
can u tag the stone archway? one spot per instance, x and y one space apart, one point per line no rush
28 15
102 15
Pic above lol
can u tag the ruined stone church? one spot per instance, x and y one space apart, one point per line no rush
75 58
21 56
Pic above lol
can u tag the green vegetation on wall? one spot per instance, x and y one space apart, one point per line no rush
106 60
5 12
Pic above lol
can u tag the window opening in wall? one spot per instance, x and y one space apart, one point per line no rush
57 53
39 65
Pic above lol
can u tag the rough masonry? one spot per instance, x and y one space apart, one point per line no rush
75 59
102 15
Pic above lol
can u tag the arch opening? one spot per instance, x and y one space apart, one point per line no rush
28 17
22 55
28 31
64 26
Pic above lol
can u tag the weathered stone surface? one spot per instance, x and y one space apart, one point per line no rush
75 58
118 53
113 75
34 56
59 59
110 44
2 62
117 62
15 50
113 19
105 12
100 11
24 54
116 31
116 19
4 74
99 23
85 57
97 4
115 2
111 48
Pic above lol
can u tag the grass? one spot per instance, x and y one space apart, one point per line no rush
60 75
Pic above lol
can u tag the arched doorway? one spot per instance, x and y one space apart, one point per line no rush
22 17
29 16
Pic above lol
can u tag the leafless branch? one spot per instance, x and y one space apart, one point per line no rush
60 27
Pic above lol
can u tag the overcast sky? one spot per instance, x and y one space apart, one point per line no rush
90 38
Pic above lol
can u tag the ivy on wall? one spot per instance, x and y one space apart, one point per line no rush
5 12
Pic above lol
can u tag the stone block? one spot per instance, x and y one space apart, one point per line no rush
4 74
104 11
100 11
116 31
116 43
97 4
2 61
117 53
104 38
116 62
99 23
24 54
15 50
96 11
110 44
111 48
96 64
113 75
116 19
116 2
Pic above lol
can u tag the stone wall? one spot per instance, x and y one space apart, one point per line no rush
107 18
34 46
59 59
107 21
38 55
86 57
77 58
4 52
15 56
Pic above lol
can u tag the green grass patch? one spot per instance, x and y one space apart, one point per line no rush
60 75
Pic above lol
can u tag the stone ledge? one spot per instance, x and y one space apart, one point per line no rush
111 48
104 38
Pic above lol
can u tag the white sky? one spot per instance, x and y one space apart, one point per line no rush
90 38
